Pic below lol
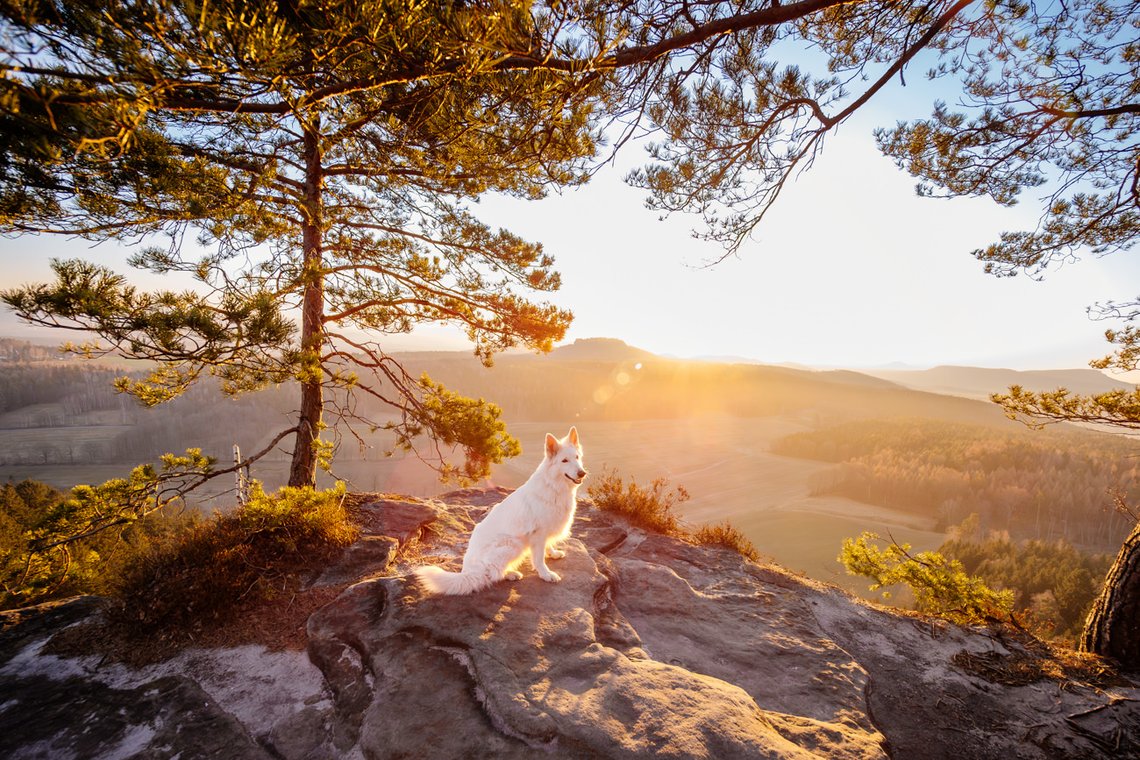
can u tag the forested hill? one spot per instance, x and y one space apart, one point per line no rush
574 383
15 350
66 411
1034 485
980 382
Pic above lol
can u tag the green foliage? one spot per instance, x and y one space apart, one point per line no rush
200 577
1053 581
52 543
1050 102
726 535
1118 408
1033 485
119 501
326 156
34 567
651 508
455 420
940 586
233 339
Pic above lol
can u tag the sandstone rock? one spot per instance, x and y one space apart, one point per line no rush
169 717
222 703
649 647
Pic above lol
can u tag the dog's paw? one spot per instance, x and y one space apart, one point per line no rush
555 553
552 577
512 575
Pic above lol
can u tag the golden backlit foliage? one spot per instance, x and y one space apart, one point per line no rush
200 576
941 586
654 508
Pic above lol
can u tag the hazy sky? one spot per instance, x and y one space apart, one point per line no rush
850 269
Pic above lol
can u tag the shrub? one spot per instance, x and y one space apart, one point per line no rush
729 536
202 576
941 586
650 508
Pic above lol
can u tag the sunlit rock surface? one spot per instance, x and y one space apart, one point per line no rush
649 647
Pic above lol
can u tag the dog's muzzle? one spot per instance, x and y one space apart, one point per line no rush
579 479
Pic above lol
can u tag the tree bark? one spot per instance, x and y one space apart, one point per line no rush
303 471
1113 626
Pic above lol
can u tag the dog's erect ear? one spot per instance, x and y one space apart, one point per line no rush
551 445
573 435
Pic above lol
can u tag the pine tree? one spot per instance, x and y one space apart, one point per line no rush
324 155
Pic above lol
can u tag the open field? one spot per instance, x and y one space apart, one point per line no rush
726 466
77 444
724 463
808 540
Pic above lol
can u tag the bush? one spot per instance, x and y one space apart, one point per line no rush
941 586
652 508
201 577
729 536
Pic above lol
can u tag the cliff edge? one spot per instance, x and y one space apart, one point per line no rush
649 647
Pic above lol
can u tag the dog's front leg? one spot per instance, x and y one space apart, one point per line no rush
538 558
554 553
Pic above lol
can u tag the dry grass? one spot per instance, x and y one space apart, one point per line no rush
1031 660
654 508
727 535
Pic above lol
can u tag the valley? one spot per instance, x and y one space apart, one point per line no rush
711 428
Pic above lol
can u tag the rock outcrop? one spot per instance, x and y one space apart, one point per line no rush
649 647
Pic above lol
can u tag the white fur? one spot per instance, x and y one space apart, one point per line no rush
528 521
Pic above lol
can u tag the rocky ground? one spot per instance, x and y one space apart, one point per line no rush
649 647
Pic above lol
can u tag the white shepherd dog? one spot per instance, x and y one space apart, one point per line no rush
530 520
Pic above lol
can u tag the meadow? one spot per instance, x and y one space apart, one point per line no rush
724 463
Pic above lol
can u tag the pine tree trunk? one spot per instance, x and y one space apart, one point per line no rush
1113 626
303 471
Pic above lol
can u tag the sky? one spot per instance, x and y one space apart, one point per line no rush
850 269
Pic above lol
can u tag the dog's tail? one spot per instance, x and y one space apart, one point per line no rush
439 581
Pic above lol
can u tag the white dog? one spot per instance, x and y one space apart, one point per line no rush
530 520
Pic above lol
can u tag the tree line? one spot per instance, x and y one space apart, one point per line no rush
1052 581
65 396
1041 486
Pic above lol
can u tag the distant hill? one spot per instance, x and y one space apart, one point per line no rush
601 349
980 382
66 412
603 379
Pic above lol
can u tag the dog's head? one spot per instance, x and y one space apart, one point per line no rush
564 456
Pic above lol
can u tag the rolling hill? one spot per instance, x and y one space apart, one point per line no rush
980 382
